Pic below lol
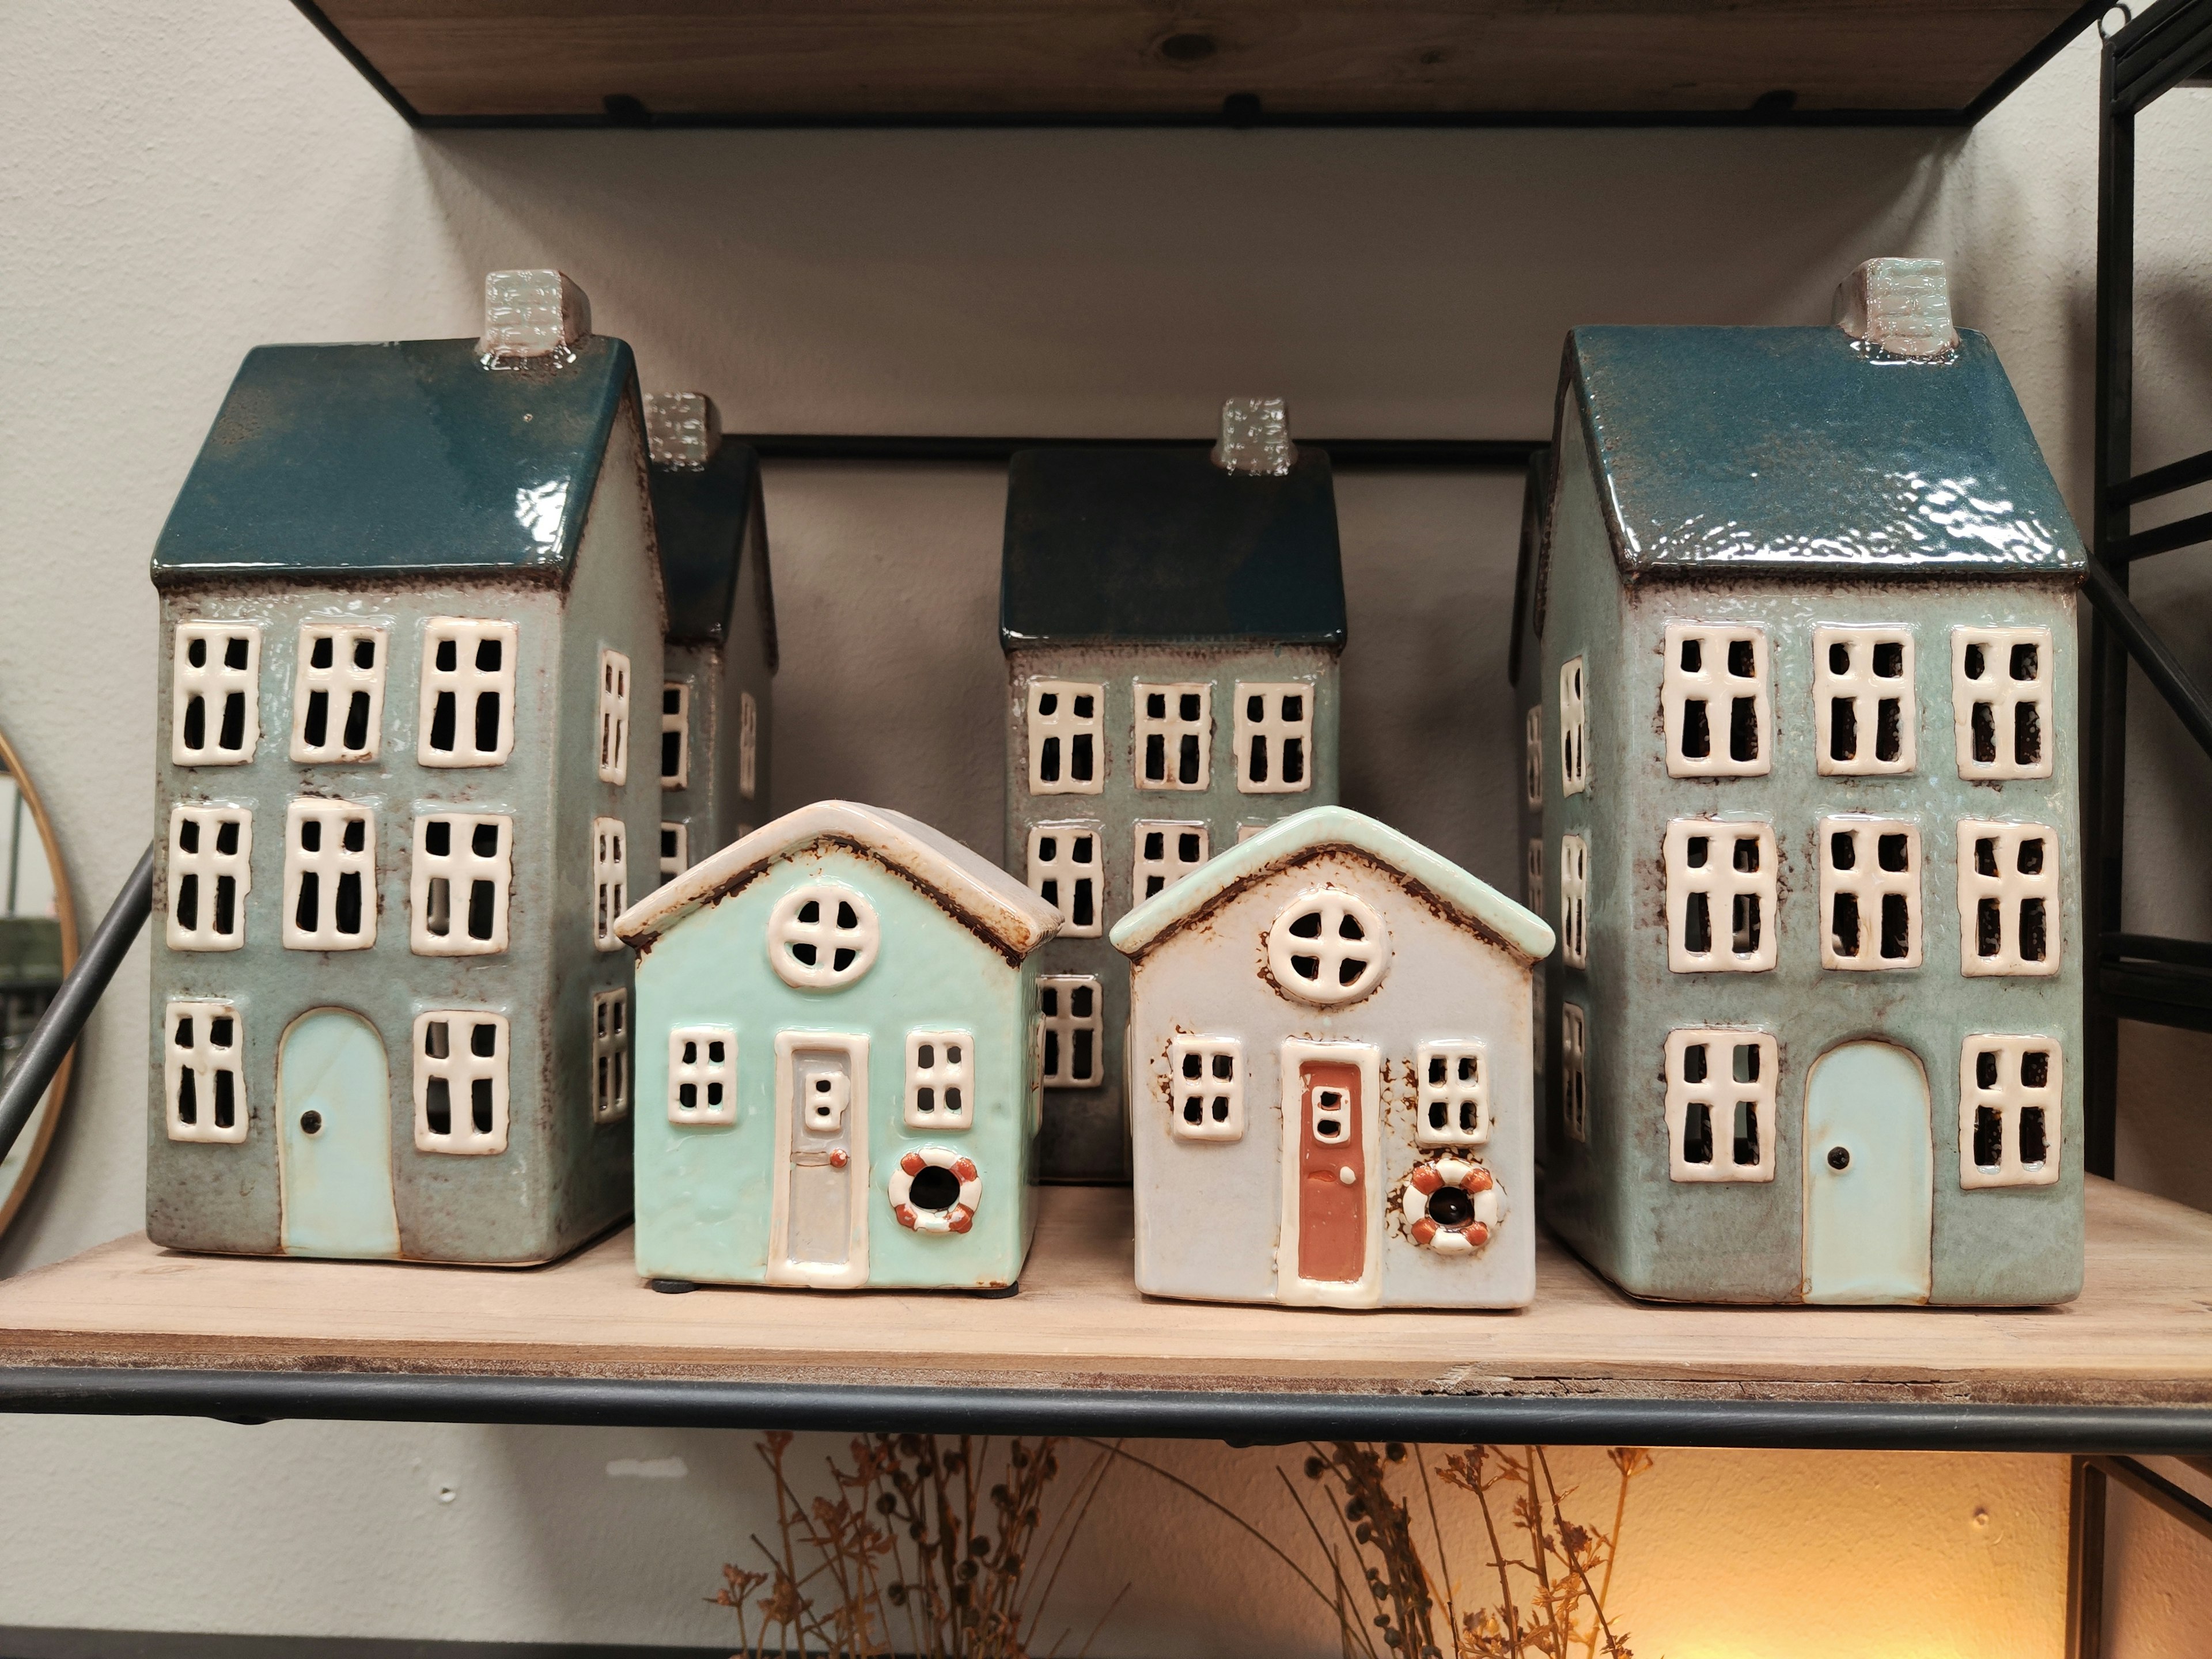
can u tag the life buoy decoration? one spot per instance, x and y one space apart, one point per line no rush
947 1200
1452 1205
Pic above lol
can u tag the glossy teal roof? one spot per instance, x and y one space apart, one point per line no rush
703 518
404 457
1788 449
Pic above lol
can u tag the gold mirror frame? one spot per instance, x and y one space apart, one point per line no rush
50 1109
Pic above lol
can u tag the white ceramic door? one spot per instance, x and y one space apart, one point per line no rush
334 1138
1869 1177
820 1233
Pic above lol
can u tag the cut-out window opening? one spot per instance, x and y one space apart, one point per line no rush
215 694
330 876
1167 850
675 848
703 1074
1869 892
822 936
2001 692
1721 887
1574 901
460 1081
676 734
1205 1088
1067 872
614 717
1274 737
1534 874
337 693
2010 1090
609 1055
1721 1093
1574 1071
1073 1017
467 713
1066 727
457 890
609 881
748 745
940 1079
1574 736
1246 831
1866 719
2007 899
1532 782
1451 1093
203 1072
210 872
1719 711
1175 736
1328 946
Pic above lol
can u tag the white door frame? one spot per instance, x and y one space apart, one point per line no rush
853 1270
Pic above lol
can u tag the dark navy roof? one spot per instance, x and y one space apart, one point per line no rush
703 518
1160 543
409 457
1787 449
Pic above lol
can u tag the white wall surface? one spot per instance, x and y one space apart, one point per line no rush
184 182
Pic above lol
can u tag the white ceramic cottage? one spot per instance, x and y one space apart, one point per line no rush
1331 1098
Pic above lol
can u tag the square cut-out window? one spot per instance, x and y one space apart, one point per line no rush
703 1074
676 734
467 713
1067 738
1869 892
209 871
203 1071
458 889
2010 1092
1205 1088
1073 1017
2009 899
675 848
610 880
609 1055
1574 901
330 876
460 1081
614 717
1534 877
1866 719
1720 888
215 703
1574 1070
1451 1093
1574 733
1719 711
2001 701
940 1079
1720 1088
1532 782
748 745
1167 850
1274 737
337 693
1175 736
1067 872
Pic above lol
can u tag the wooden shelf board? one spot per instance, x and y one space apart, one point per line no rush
2140 1335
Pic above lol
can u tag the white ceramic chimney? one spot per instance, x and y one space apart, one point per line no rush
1899 308
1255 438
684 429
531 314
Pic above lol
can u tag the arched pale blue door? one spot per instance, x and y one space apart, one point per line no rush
1869 1175
334 1138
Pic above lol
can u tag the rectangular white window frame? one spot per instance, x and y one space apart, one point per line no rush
215 694
610 880
1066 737
1071 1020
1205 1088
1721 1090
609 1055
1574 901
1166 850
203 1072
2000 701
1866 719
1717 697
941 1080
1175 735
330 875
337 693
1246 831
675 848
461 878
1274 737
2008 919
1869 892
460 1081
1574 1071
1067 870
676 734
1534 874
210 872
614 717
467 712
1720 892
2010 1090
748 745
1574 733
1532 783
703 1074
1451 1093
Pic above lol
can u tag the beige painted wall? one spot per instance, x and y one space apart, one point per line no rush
184 182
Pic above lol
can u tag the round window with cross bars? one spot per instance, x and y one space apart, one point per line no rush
821 936
1329 947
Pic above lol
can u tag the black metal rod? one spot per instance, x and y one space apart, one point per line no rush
73 1003
2085 1561
2182 532
2159 664
2185 1506
1442 453
2169 44
2165 480
2149 947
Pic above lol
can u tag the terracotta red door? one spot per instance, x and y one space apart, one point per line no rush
1332 1218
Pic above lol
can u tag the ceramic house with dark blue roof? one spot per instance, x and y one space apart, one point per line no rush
1804 615
408 595
721 651
1171 624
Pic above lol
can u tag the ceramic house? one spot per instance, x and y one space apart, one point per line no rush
1529 720
1805 607
1171 624
408 594
1332 1100
838 1053
721 651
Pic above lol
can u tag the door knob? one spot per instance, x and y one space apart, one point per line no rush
1839 1157
310 1123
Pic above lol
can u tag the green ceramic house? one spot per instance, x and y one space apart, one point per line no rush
407 593
1805 616
839 1055
1171 624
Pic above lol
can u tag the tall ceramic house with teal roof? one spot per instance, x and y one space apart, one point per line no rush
1805 607
1172 624
721 651
838 1060
408 596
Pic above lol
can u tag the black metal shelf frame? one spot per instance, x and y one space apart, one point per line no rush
2165 982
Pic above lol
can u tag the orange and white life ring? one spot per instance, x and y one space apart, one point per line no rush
1452 1205
955 1216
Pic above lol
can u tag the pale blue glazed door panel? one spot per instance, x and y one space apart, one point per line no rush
1869 1175
334 1138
